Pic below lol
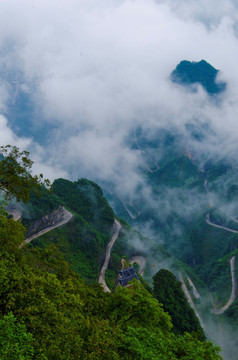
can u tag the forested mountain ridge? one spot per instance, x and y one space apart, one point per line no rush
84 239
48 312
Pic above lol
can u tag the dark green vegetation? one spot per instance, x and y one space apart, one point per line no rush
190 73
38 206
168 291
15 174
15 341
47 312
84 239
131 243
85 197
182 194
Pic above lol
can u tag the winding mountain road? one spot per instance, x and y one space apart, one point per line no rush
128 211
232 265
140 260
219 226
115 233
66 217
190 301
195 292
17 214
233 291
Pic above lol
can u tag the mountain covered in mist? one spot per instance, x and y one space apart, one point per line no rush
189 73
180 216
187 201
83 241
135 103
48 311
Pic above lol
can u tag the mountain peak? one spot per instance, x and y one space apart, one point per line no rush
189 73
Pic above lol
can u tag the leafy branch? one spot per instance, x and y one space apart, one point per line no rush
16 179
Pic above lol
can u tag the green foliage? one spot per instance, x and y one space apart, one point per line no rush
216 170
15 174
66 319
15 342
208 244
81 245
40 292
176 172
169 292
156 345
86 198
137 307
47 311
83 241
232 192
39 206
11 234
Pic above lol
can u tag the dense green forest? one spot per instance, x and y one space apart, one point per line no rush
168 291
83 241
47 311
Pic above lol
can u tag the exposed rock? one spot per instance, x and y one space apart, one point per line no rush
46 221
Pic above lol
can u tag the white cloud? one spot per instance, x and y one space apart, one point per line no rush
8 137
98 69
208 12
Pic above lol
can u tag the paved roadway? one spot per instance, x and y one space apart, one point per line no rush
67 217
115 233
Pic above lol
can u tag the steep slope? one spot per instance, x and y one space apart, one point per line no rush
48 312
83 240
169 292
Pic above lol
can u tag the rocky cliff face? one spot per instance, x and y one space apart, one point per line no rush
50 219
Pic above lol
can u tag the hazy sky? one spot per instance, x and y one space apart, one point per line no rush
78 76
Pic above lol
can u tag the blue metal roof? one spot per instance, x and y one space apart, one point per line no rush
127 275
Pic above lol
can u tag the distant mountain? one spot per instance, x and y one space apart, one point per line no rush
187 201
189 73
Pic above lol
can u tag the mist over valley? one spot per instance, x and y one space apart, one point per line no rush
140 98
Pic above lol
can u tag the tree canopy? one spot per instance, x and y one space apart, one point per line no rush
168 291
47 312
16 179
